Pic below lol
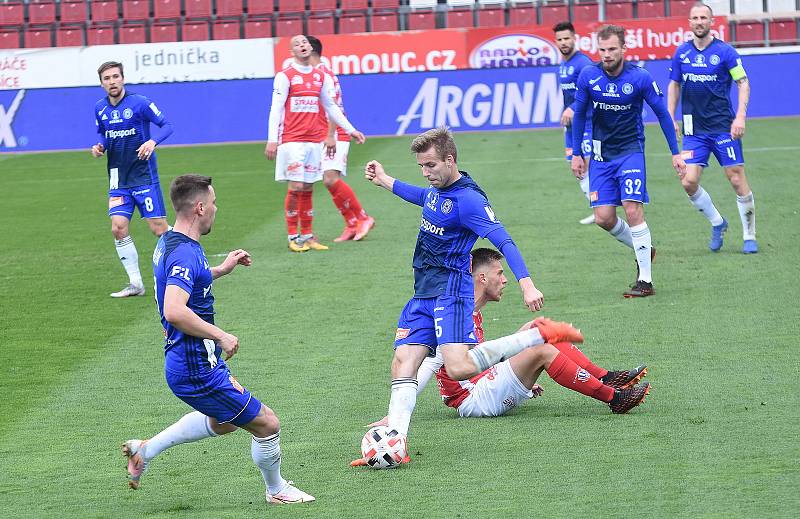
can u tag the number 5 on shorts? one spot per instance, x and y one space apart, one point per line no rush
437 327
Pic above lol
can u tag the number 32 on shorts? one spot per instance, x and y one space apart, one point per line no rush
633 186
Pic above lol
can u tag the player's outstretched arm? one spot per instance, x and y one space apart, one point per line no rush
235 257
183 318
500 238
375 173
532 296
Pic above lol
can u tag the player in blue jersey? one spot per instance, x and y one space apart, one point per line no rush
573 61
194 347
616 91
123 121
455 213
703 69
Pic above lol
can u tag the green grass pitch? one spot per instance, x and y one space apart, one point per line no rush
717 437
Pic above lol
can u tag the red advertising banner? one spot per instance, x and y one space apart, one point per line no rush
452 49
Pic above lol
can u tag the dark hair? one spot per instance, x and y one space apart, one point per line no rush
484 257
110 64
564 26
185 190
608 31
440 138
316 45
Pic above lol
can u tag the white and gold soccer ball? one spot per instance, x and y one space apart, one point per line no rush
383 448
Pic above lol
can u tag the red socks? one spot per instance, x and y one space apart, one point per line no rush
577 356
305 209
290 206
346 201
567 373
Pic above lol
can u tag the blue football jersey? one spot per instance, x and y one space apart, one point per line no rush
616 103
179 260
123 128
568 73
705 77
452 220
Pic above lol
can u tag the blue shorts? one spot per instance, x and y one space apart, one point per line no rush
620 180
586 143
436 320
697 149
216 394
147 199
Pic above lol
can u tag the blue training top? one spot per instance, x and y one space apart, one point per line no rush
617 102
706 76
179 260
123 128
452 220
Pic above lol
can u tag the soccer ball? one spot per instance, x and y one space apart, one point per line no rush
383 448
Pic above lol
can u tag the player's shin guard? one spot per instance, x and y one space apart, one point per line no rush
191 427
305 209
266 453
568 374
340 194
578 357
489 353
642 244
290 206
129 257
701 201
622 232
747 212
401 404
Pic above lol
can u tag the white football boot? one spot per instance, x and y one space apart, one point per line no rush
289 495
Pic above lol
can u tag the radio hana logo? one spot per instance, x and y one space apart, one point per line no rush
512 51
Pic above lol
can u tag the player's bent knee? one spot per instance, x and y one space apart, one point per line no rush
265 423
221 428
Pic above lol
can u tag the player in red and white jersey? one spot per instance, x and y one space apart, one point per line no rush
335 146
299 93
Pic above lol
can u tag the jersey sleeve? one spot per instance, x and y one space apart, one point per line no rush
655 99
477 215
280 91
180 268
675 67
734 63
150 112
100 130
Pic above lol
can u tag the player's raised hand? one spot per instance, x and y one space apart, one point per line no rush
566 117
229 344
271 151
679 164
98 150
359 137
578 165
144 151
737 128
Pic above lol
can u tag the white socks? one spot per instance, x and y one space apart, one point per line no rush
622 232
747 212
584 183
190 428
401 403
701 200
642 245
428 369
266 453
126 251
489 353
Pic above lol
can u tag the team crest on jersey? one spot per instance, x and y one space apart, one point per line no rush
699 61
510 402
447 206
570 70
401 333
127 113
297 80
115 116
433 199
611 90
627 88
714 59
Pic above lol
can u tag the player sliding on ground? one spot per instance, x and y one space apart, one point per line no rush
455 212
502 387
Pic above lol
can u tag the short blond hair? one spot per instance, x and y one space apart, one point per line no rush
440 138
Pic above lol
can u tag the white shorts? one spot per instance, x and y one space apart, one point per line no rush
298 162
339 161
495 393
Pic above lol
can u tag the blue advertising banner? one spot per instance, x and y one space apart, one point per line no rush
380 104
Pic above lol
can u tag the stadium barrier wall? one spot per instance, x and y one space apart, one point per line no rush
237 110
